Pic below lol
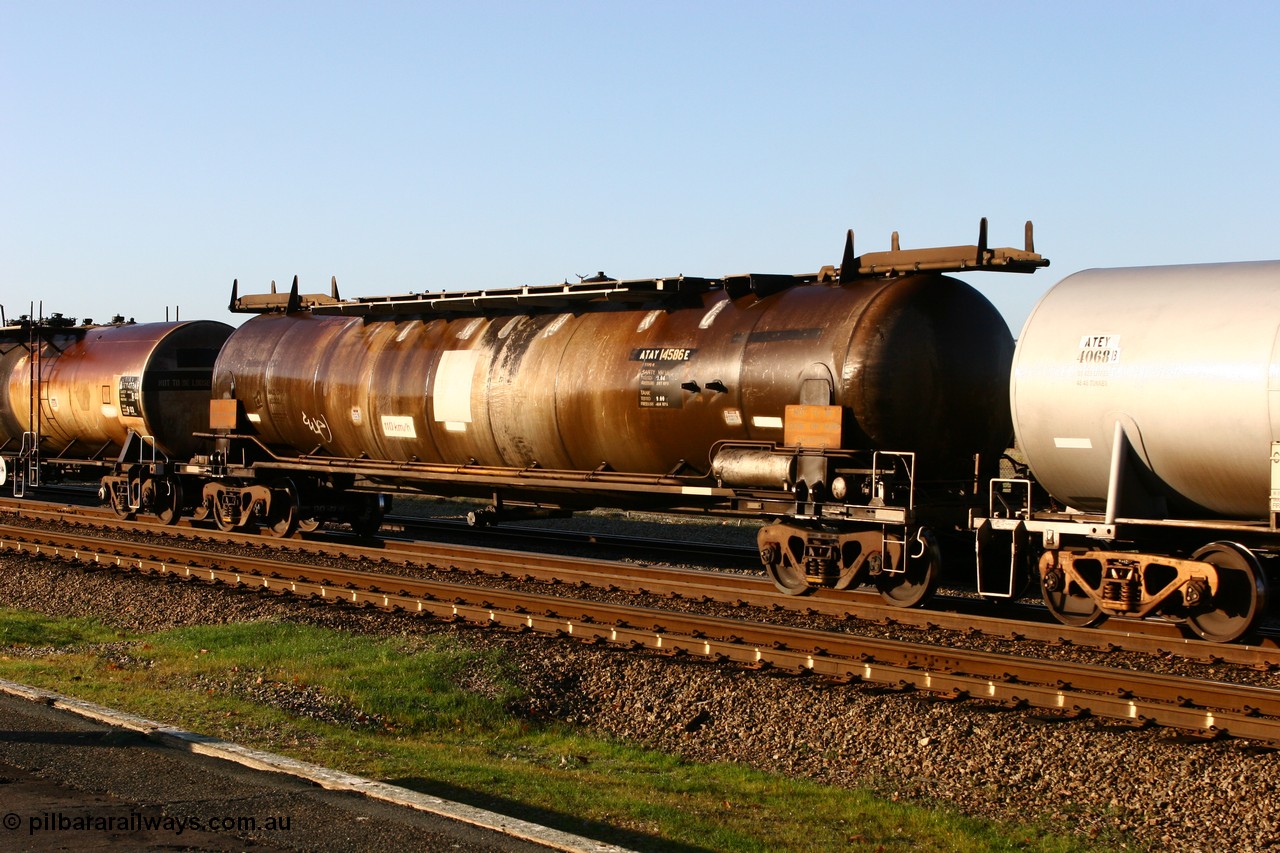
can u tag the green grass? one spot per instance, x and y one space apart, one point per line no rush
407 710
22 628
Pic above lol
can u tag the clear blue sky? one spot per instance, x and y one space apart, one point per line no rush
150 152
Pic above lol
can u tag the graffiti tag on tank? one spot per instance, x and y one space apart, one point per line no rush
319 425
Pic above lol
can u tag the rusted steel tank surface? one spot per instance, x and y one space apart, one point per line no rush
918 363
98 382
1185 359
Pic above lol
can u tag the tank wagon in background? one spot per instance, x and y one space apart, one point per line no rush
86 400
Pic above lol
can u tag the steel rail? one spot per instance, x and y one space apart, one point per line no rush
1214 708
967 615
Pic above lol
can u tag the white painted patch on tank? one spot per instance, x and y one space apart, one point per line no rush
470 329
510 324
766 422
1073 443
451 391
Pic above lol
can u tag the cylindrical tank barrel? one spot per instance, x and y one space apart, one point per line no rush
741 466
918 363
95 384
1183 358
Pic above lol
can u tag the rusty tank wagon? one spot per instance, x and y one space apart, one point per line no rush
87 398
830 401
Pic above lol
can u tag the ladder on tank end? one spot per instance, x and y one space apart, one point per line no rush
26 466
149 458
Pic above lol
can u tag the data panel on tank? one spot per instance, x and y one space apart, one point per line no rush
659 380
130 397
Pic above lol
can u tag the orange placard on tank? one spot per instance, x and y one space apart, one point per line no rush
812 426
222 414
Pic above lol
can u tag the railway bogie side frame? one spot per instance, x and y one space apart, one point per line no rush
1214 576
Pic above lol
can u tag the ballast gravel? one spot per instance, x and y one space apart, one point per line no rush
1147 788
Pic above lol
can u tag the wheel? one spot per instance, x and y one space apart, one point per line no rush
1242 594
783 569
164 496
1066 600
282 519
913 586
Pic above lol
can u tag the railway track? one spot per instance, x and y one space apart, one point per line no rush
427 527
970 616
1065 690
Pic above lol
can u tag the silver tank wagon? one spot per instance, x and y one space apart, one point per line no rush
1147 404
1183 358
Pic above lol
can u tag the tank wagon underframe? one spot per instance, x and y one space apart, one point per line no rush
1213 574
246 486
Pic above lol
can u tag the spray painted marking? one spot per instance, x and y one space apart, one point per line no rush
318 425
1098 359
